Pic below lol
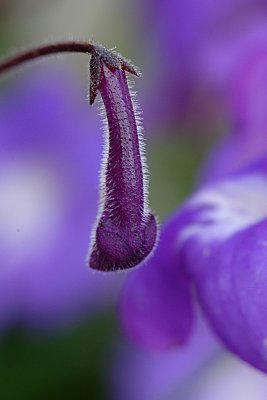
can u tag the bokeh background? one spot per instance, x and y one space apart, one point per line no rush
59 333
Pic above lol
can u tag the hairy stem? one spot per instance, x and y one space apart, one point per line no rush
45 50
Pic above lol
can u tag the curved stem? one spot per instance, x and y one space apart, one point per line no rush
45 50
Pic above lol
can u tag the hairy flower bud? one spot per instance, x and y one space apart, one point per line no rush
126 229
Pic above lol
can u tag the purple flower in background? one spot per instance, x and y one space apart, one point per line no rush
246 141
199 371
145 375
217 241
194 49
50 146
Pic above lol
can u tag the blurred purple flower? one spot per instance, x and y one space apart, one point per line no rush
217 241
144 375
50 147
246 142
199 371
194 48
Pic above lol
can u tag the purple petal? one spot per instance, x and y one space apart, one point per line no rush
226 254
141 375
156 305
195 372
219 239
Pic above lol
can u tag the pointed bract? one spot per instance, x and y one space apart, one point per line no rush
110 58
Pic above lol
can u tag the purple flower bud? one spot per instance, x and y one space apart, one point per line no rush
126 229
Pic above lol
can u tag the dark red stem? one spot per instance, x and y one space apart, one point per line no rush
48 49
